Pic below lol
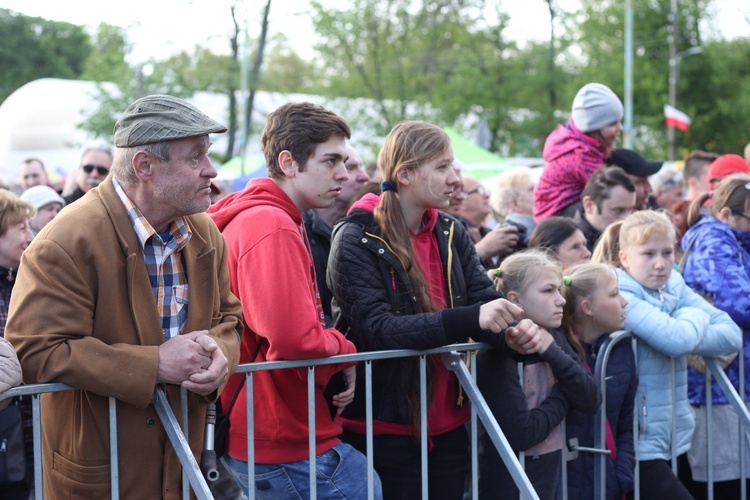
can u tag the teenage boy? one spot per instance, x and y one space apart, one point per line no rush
273 274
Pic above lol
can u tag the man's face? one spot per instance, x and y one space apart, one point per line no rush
31 174
357 176
44 215
458 196
642 190
320 183
182 186
699 184
476 206
94 169
619 205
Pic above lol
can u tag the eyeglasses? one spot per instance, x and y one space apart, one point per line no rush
483 191
741 214
103 171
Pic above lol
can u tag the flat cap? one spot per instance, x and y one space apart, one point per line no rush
159 118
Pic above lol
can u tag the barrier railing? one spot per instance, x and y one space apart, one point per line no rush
451 356
714 371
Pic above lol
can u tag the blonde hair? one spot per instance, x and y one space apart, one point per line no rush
732 192
640 226
406 147
607 249
507 187
520 269
583 281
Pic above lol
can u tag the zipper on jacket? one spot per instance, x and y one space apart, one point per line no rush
4 446
393 279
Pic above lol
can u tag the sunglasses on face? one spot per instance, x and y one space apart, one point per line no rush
103 171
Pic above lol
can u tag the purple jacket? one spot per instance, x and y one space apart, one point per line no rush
571 157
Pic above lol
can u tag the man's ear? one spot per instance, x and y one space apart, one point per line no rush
143 165
588 205
288 164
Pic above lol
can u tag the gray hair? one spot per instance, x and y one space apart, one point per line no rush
122 163
95 145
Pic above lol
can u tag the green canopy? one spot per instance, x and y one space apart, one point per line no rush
479 162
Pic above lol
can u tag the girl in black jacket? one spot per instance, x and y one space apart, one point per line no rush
593 310
406 276
554 381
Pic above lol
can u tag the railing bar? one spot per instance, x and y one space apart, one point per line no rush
672 380
709 435
423 423
184 409
368 432
114 467
474 434
36 417
311 429
636 429
453 362
249 406
180 444
521 456
743 430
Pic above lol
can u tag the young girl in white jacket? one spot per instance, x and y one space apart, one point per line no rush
670 321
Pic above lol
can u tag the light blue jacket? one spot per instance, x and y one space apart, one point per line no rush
670 323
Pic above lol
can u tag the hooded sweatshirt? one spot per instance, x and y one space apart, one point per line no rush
570 157
273 275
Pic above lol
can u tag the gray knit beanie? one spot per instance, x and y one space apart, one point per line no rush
595 107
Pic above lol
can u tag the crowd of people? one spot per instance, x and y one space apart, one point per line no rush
138 275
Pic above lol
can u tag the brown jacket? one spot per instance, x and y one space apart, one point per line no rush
83 313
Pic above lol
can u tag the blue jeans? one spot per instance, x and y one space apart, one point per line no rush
341 474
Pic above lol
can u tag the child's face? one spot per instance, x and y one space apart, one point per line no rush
650 263
608 306
542 301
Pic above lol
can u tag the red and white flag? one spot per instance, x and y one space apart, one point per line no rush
676 118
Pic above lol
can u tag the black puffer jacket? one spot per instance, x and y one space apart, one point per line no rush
374 305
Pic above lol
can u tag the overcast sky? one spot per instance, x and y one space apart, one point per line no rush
159 28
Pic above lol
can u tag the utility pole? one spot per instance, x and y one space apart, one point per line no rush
627 128
673 62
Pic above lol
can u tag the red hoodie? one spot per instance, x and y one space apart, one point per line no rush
273 275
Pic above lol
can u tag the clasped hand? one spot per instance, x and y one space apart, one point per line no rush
194 361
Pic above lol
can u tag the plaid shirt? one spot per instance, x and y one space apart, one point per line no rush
165 265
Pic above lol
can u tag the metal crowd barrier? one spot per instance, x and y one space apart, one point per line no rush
714 372
452 356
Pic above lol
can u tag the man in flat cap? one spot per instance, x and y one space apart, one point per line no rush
126 289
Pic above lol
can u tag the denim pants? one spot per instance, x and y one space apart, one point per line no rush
341 474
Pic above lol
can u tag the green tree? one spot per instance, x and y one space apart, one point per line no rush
597 33
36 48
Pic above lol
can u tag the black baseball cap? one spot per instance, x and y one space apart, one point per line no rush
633 163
